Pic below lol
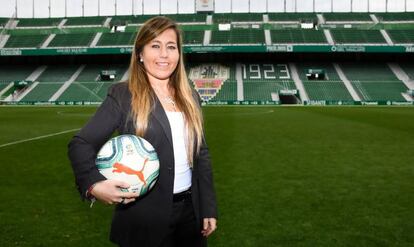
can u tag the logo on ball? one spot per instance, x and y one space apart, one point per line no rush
130 159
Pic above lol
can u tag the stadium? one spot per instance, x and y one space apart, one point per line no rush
308 109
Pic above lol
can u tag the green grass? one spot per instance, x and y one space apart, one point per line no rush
285 176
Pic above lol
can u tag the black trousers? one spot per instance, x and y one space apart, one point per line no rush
183 230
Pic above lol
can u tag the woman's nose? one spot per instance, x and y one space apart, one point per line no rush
163 52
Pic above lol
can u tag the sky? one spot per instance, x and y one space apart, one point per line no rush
62 8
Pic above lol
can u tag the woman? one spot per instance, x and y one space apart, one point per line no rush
157 104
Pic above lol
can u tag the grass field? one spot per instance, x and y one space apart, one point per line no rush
285 176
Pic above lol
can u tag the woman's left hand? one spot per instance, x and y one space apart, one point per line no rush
209 226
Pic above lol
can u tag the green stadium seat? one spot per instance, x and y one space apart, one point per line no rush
408 69
56 73
94 91
38 22
84 21
399 17
43 91
347 17
193 37
349 36
238 36
332 88
374 82
91 73
25 41
402 36
116 39
72 40
188 18
9 73
292 17
237 17
297 36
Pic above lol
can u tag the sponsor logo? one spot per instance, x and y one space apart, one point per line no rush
120 168
409 48
11 52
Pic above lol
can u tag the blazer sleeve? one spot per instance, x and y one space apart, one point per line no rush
84 146
208 203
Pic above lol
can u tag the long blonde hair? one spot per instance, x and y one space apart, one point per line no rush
143 96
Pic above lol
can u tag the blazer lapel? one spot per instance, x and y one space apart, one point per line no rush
161 116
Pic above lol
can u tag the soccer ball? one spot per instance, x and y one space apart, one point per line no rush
130 159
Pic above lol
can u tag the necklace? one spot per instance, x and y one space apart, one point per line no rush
167 98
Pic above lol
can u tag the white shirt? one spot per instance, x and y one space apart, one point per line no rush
182 178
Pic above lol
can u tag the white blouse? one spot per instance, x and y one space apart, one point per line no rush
182 178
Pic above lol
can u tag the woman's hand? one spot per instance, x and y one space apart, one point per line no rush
109 192
209 226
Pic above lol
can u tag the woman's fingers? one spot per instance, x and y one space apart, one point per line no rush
108 191
209 226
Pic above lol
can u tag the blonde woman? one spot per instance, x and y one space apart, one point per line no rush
157 104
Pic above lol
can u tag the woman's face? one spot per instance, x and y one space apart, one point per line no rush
160 56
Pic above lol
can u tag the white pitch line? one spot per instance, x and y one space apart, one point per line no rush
37 138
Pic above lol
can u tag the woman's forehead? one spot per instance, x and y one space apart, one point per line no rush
168 36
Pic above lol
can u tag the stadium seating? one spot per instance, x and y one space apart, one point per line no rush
39 22
348 36
374 82
118 38
401 36
292 17
400 17
371 82
408 69
238 36
88 86
91 73
3 22
297 36
260 81
84 21
347 17
57 73
193 37
9 73
86 91
228 90
237 17
3 85
43 91
25 41
331 88
188 18
49 82
72 40
137 19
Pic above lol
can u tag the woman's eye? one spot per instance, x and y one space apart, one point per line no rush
172 47
155 46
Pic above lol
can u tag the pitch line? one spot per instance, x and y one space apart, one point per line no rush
37 138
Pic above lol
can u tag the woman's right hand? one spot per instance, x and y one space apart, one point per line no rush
109 192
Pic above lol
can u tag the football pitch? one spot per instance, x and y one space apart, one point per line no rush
284 176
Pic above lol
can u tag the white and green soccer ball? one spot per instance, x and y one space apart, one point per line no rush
130 159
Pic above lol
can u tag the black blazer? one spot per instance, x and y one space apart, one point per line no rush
145 221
